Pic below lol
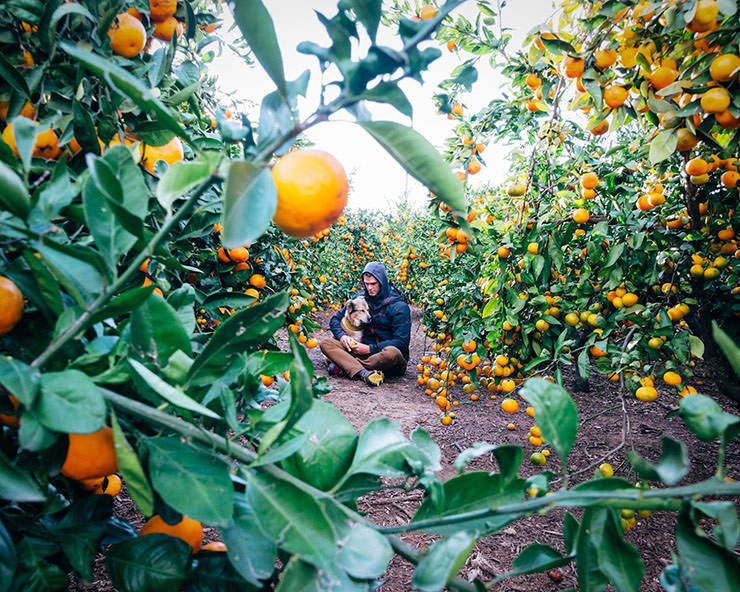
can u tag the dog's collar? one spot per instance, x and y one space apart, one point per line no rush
350 326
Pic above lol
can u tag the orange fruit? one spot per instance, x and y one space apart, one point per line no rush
686 140
258 281
110 485
662 77
600 129
428 11
628 57
11 305
127 35
171 153
457 109
516 189
715 100
730 178
672 378
615 96
533 81
727 120
239 255
165 29
603 58
696 166
311 192
573 67
473 167
189 530
252 292
90 455
160 10
214 546
589 180
581 215
706 12
646 393
724 67
509 405
28 111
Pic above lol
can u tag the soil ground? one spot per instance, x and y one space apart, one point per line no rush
601 417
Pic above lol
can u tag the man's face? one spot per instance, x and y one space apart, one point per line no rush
372 285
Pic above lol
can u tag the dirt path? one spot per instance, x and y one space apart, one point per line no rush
601 419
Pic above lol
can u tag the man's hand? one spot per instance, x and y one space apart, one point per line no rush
346 342
361 348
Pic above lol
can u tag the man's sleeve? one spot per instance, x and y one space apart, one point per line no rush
335 324
401 321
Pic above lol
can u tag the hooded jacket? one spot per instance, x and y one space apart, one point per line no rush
391 316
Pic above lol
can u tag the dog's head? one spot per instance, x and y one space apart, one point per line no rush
357 311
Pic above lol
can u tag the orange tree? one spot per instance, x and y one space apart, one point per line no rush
620 253
130 200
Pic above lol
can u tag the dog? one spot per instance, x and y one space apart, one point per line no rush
356 316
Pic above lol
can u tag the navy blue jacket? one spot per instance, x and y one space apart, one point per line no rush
391 324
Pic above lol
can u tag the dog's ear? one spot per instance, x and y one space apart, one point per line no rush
350 306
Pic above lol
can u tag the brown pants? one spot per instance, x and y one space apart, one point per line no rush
389 359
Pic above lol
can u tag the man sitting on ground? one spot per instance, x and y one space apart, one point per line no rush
385 342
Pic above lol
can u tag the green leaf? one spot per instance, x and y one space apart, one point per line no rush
250 201
708 565
170 393
19 379
25 132
251 553
148 563
328 453
126 84
417 156
32 435
727 532
696 346
157 333
18 485
38 572
706 419
180 178
477 490
615 254
70 403
556 414
81 529
122 304
728 347
388 92
558 46
258 29
382 450
673 464
663 145
242 331
7 559
276 454
442 561
584 365
13 192
299 576
368 13
292 518
13 78
194 482
365 554
132 472
101 192
74 268
58 14
509 457
535 558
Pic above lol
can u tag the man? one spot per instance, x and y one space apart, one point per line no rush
385 342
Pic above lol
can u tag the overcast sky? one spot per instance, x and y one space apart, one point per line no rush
377 179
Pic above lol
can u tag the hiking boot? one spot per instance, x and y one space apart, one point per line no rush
371 377
333 370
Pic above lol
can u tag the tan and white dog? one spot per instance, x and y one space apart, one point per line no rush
356 316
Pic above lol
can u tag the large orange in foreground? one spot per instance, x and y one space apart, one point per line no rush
311 192
90 455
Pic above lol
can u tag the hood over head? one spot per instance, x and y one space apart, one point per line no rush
377 270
